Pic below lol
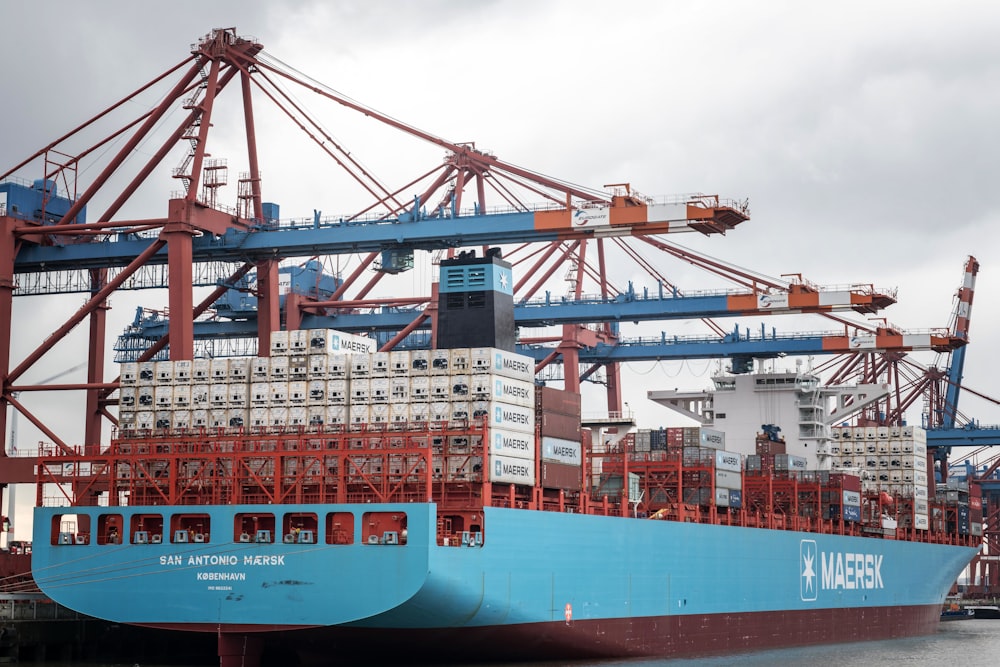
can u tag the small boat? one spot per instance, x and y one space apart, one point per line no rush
985 611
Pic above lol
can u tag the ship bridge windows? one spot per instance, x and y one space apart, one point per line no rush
70 529
340 528
110 528
254 527
146 528
187 528
384 528
299 528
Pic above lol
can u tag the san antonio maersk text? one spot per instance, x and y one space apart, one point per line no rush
216 559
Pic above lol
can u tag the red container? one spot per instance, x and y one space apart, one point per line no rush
557 425
561 476
558 401
846 482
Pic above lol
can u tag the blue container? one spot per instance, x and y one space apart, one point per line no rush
852 513
735 498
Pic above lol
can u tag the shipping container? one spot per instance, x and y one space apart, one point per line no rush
514 392
560 476
511 443
555 425
512 417
560 450
728 461
728 479
509 470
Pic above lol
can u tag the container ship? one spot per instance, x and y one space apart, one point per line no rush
328 497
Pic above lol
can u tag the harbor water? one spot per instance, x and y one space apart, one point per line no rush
969 643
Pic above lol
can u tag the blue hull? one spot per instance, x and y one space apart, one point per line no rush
542 568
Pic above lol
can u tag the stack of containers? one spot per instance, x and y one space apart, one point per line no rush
558 415
304 382
325 377
844 501
728 478
500 386
892 458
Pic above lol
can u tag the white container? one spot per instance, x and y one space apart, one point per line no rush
722 497
506 416
399 362
164 371
317 392
298 416
461 385
239 396
199 418
460 360
163 419
181 419
420 362
399 413
360 391
920 478
732 461
218 418
920 463
317 415
318 365
514 392
145 420
920 492
921 522
260 394
218 396
361 365
336 415
852 498
559 450
441 388
481 386
440 361
728 479
147 373
279 369
127 397
201 370
145 397
219 370
419 411
277 417
358 414
298 341
420 388
378 413
338 392
399 389
380 364
439 411
512 443
259 417
509 470
182 397
379 390
501 362
461 410
279 343
129 374
279 394
338 366
260 369
239 370
298 366
298 392
237 417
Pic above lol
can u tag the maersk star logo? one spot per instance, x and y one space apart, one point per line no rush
504 279
498 441
808 579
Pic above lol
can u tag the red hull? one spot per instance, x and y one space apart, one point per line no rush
661 636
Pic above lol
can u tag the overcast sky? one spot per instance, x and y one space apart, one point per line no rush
863 133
